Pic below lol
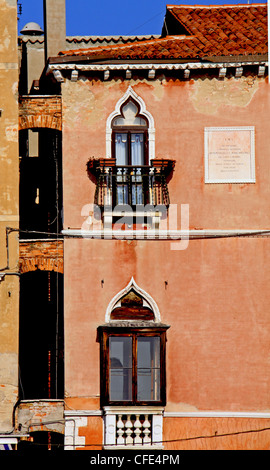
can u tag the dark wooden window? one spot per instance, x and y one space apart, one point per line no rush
133 366
130 146
130 136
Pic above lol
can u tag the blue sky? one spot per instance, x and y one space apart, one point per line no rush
112 17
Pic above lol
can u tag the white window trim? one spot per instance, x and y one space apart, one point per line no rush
132 286
130 93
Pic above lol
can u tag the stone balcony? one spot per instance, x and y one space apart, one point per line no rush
138 427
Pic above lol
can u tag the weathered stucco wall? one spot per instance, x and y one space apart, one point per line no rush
214 295
9 212
215 304
181 111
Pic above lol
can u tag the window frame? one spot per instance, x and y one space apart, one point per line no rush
129 130
135 333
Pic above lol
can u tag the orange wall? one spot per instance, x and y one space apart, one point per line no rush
181 111
216 303
217 298
216 434
227 433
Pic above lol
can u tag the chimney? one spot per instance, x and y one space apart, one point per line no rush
54 27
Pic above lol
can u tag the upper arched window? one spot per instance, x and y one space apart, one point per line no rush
130 114
130 136
130 177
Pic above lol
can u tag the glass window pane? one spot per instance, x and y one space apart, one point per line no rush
137 149
137 158
120 356
148 351
148 387
148 369
122 194
121 149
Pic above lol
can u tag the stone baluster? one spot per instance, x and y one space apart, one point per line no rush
120 431
137 432
129 426
146 431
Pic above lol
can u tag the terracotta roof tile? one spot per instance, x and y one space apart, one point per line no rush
210 31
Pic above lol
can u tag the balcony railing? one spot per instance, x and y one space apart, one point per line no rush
134 427
132 186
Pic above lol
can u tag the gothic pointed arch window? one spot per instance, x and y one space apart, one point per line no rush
133 343
130 136
131 152
130 111
130 178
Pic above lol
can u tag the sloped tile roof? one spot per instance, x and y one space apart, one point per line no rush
209 31
226 30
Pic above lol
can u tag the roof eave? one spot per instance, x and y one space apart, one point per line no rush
68 60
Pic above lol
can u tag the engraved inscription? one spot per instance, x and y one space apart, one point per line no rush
229 155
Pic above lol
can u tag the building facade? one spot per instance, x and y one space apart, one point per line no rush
165 183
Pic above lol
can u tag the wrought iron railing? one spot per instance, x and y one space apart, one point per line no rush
132 186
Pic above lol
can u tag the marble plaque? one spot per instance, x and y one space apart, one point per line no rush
229 155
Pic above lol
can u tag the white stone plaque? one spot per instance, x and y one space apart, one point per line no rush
229 154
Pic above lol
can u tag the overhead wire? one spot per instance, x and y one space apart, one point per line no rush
236 234
167 441
146 22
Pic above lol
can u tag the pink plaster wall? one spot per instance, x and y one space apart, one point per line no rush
216 302
217 298
181 112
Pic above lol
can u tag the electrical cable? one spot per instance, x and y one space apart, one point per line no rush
167 441
256 233
148 21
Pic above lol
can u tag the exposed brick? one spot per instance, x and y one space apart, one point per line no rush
43 255
41 415
40 112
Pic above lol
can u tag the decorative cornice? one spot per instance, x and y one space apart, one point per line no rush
57 68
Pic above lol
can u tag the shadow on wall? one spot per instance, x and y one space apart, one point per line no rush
41 350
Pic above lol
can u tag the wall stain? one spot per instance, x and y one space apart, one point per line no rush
208 96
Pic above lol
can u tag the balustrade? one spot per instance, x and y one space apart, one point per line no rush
129 428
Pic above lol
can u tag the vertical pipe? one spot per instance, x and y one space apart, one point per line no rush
56 154
49 374
49 394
